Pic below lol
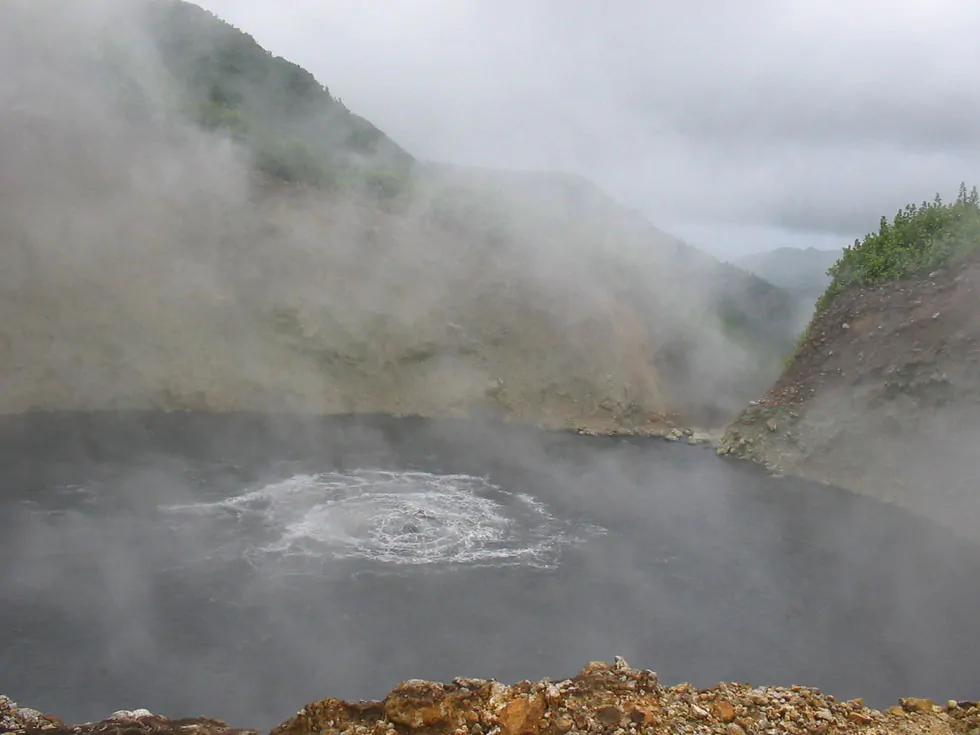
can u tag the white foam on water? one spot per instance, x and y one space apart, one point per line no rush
396 518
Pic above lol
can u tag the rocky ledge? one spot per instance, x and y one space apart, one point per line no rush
23 720
602 698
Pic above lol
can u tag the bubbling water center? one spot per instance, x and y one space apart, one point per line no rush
392 518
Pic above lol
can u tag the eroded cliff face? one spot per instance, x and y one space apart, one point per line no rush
601 699
883 399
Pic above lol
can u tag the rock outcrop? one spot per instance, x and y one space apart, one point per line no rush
23 720
602 699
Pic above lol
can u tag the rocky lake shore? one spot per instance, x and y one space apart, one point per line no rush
602 699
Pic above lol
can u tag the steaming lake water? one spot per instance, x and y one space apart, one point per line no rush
242 566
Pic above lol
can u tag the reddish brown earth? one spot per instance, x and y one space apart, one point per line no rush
601 699
883 398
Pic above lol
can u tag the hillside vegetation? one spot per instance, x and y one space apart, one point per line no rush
917 240
297 131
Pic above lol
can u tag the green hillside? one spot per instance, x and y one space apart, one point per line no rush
917 240
296 130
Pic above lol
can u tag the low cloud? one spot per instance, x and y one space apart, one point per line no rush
804 119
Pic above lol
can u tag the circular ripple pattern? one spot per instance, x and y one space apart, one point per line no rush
395 518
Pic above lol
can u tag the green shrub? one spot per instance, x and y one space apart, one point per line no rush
918 239
290 123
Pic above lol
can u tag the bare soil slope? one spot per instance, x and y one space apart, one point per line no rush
883 398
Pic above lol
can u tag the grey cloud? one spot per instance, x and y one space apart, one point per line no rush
811 117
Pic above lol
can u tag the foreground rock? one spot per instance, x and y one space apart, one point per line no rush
14 719
883 399
615 699
602 698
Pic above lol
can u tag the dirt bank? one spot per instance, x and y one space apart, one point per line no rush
883 398
602 698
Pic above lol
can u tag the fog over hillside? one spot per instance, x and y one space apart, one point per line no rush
739 127
181 239
800 272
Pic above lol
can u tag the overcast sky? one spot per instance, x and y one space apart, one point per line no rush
740 126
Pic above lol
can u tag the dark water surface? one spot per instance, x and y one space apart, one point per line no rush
241 566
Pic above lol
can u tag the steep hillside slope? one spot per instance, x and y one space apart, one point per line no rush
291 123
155 257
718 333
883 397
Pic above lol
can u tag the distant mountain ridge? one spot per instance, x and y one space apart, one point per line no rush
800 270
